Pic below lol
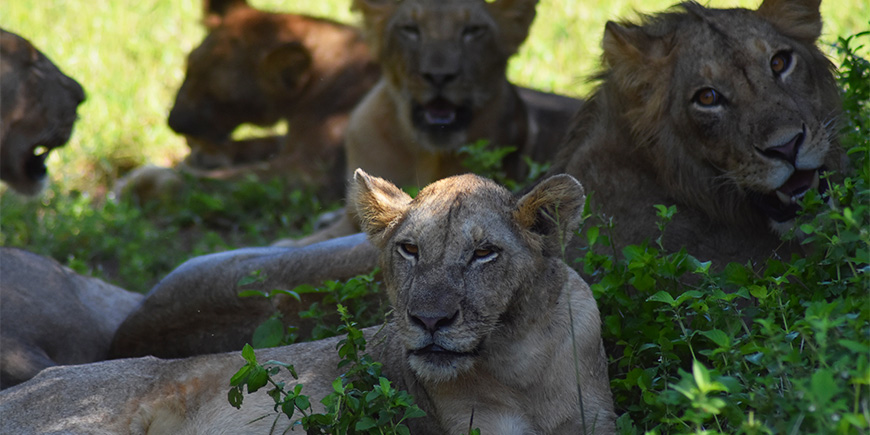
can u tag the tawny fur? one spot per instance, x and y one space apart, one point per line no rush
448 51
475 245
50 315
643 139
261 67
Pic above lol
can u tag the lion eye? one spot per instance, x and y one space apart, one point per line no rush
409 250
708 97
410 32
780 62
485 254
470 33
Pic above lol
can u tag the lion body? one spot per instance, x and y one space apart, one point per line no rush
723 113
444 86
259 67
37 115
49 315
508 354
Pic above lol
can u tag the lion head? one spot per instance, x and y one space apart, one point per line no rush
739 102
728 113
37 115
461 259
259 67
445 61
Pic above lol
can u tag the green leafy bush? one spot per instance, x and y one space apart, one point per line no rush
363 401
778 348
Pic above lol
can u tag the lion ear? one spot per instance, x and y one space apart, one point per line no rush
378 203
799 19
376 14
213 11
514 18
629 44
553 208
286 67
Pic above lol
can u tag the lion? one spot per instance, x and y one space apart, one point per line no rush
482 323
729 114
49 315
37 115
259 67
443 87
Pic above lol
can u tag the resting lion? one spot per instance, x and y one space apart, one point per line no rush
260 67
38 110
481 298
728 113
443 87
50 315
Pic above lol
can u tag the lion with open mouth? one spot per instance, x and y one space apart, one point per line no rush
37 115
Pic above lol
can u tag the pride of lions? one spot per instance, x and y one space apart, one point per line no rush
729 114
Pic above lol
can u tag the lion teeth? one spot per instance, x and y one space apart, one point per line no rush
40 150
786 199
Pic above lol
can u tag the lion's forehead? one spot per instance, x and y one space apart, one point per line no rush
442 19
457 226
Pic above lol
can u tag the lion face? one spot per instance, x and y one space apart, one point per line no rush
460 259
445 61
744 102
242 72
38 112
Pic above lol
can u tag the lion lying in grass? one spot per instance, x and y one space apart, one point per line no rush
37 115
727 113
443 87
259 67
487 317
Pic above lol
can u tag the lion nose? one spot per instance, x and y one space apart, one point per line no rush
433 323
439 80
787 151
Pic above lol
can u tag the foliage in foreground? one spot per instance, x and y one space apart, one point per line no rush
362 401
776 348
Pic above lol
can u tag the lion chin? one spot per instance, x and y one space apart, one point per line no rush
434 363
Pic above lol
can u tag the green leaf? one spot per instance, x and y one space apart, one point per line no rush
269 334
719 337
592 235
248 354
414 412
240 375
235 397
258 379
252 293
662 296
303 402
822 386
365 423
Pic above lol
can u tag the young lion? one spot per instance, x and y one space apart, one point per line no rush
260 67
37 115
488 319
444 86
727 113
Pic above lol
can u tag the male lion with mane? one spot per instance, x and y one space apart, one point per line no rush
727 113
444 86
488 320
38 110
